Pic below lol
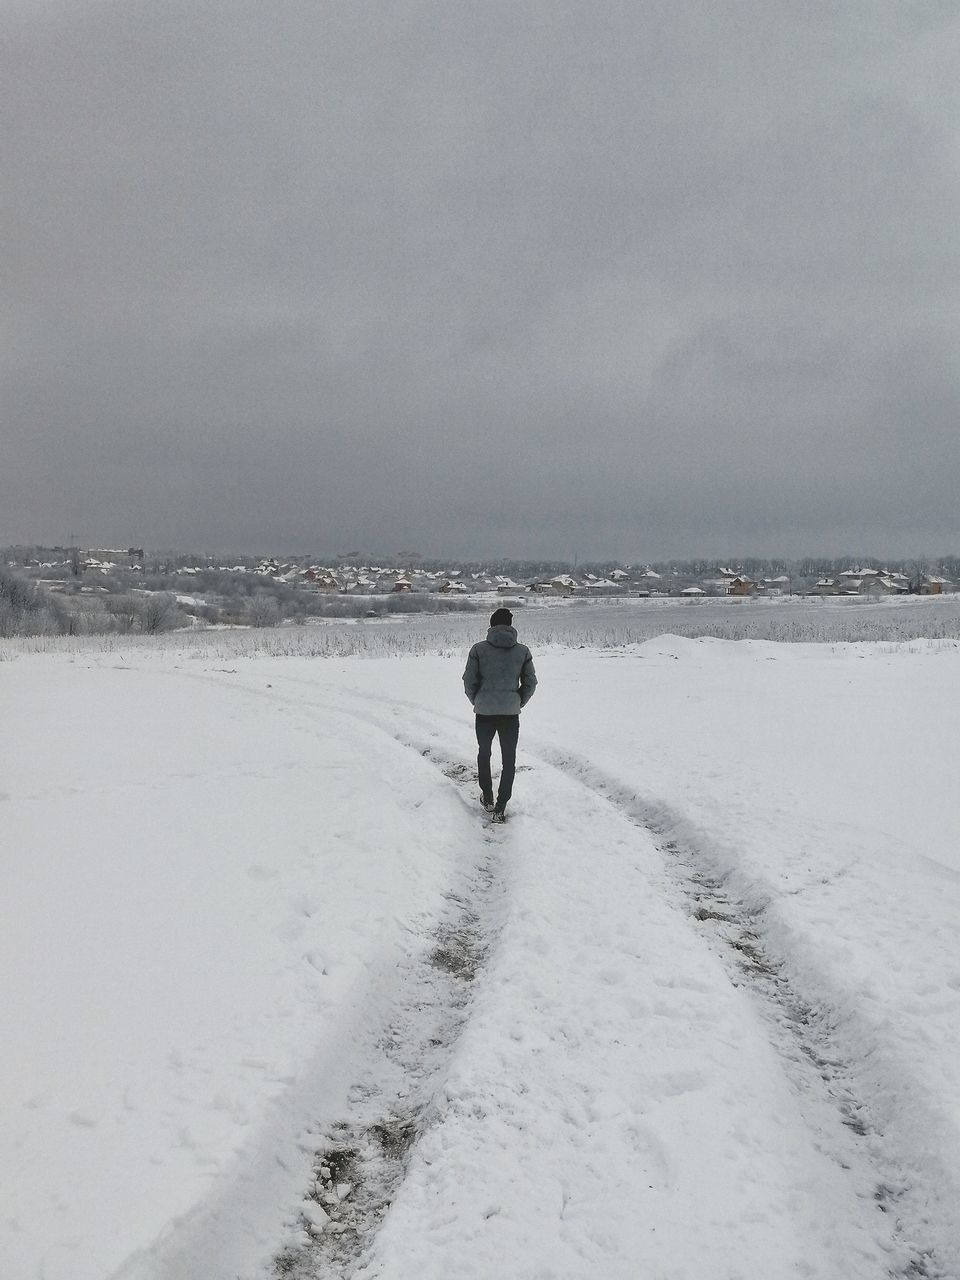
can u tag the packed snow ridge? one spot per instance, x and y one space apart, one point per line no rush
279 1001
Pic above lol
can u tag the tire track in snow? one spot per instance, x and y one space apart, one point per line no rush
361 1159
373 1144
807 1033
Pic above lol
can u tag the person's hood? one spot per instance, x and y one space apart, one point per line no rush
503 637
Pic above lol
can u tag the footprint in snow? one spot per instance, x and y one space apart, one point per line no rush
256 872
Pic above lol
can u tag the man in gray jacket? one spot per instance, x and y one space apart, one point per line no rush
498 679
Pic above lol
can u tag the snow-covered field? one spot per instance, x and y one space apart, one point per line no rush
277 1001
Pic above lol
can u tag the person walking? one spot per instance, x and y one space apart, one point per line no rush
498 679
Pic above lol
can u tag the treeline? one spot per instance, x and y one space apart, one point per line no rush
698 567
160 569
757 567
28 609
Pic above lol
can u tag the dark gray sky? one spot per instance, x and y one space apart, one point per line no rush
624 278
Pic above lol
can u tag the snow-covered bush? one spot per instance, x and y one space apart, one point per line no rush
25 610
592 624
125 612
264 611
158 613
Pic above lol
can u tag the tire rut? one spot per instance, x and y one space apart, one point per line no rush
373 1147
807 1035
361 1159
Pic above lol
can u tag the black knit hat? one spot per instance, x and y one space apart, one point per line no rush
501 618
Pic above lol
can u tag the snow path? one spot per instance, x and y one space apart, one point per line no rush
824 1058
807 789
445 1152
601 1040
361 1158
822 1052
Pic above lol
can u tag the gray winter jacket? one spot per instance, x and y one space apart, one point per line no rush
499 677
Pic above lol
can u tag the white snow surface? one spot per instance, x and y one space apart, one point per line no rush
707 1026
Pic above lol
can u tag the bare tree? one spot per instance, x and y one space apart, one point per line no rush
263 611
20 605
157 613
125 610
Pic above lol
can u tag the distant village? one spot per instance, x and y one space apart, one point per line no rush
638 582
687 580
95 590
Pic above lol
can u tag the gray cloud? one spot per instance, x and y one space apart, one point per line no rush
624 279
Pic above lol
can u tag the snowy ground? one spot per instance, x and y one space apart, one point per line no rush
692 1014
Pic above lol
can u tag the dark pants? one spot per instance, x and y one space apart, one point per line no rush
508 730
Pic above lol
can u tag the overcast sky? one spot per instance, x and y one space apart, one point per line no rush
625 278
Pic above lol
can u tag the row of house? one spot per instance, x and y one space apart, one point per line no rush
374 579
377 580
881 582
850 582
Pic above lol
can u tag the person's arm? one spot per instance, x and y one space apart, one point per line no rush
471 675
528 680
